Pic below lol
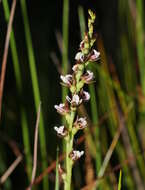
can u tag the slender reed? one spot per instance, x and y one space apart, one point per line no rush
65 36
35 86
75 83
140 43
5 55
35 149
120 178
17 72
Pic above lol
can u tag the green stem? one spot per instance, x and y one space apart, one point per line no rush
65 33
69 147
70 138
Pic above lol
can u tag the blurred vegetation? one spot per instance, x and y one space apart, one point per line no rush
44 39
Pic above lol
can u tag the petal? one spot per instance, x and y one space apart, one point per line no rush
85 96
76 99
79 56
68 99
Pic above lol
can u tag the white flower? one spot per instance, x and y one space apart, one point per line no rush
85 95
61 108
88 77
67 79
76 154
81 122
75 100
79 57
95 55
61 131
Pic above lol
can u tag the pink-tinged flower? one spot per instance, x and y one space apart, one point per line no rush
95 55
75 101
67 79
85 95
61 131
75 67
79 57
82 44
80 123
76 154
61 109
88 77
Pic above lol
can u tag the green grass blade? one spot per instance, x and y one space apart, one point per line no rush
120 179
35 87
24 124
107 104
65 41
57 173
81 21
26 142
65 36
3 167
140 42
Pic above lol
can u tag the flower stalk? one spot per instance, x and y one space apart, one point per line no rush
75 82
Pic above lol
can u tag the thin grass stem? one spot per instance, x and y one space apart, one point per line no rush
17 72
35 86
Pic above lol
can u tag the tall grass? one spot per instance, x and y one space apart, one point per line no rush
17 71
35 86
65 36
140 41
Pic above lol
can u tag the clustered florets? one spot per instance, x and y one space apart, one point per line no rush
75 82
